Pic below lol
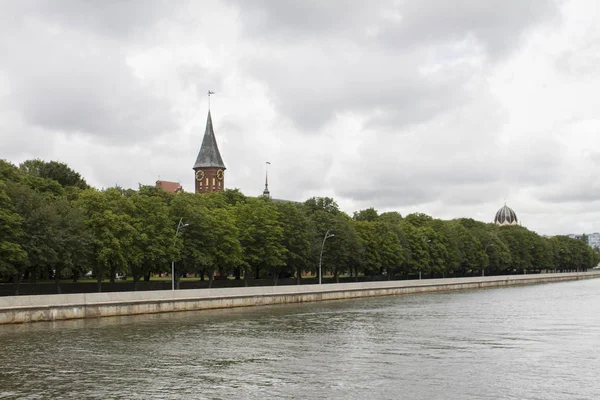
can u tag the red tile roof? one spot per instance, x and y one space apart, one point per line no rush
169 186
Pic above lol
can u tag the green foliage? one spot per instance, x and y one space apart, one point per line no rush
52 225
210 239
11 233
55 171
370 215
109 217
9 172
153 245
418 219
190 242
38 222
325 204
261 237
382 248
391 217
72 239
344 250
233 197
298 232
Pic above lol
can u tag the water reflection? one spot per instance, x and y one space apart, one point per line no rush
534 342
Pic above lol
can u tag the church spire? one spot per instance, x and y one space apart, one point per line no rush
209 169
266 191
209 155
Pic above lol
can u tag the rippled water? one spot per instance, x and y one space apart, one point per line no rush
534 342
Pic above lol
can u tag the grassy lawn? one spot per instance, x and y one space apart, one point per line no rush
165 279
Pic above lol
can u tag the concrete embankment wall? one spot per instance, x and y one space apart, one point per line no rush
19 309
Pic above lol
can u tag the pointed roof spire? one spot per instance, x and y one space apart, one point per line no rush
266 191
209 155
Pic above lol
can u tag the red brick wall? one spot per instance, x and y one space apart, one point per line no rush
210 182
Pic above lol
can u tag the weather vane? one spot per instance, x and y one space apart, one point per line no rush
209 93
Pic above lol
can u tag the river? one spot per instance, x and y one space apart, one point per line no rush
532 342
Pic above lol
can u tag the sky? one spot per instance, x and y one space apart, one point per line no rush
445 108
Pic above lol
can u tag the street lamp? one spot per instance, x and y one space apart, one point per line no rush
427 241
327 236
485 250
180 225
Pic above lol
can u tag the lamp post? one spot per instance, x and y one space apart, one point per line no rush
180 225
327 236
483 267
426 241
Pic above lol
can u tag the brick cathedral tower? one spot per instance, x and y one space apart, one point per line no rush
209 169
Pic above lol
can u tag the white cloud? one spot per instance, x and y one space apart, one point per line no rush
443 108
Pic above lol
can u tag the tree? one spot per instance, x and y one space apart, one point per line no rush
449 244
109 218
391 217
498 252
369 214
371 258
382 249
11 233
261 237
153 246
472 257
72 241
209 242
437 247
344 250
297 234
9 172
418 255
38 239
191 243
57 171
233 196
418 219
225 248
153 191
325 204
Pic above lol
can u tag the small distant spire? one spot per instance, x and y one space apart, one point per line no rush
209 93
266 191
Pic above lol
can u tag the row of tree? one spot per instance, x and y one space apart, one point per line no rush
54 226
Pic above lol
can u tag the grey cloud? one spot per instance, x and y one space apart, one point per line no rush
413 185
326 63
311 90
497 25
111 18
449 161
581 191
390 197
415 82
285 20
595 157
532 163
67 80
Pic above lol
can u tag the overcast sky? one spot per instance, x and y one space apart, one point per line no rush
434 106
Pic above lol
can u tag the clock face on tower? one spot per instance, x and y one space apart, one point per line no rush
220 174
199 175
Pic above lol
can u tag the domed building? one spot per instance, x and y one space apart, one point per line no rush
506 216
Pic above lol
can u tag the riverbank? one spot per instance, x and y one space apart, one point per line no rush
21 309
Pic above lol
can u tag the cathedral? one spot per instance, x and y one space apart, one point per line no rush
209 169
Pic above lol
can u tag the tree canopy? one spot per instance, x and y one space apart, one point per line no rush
54 226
